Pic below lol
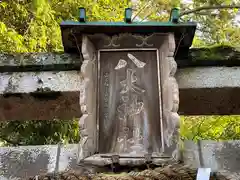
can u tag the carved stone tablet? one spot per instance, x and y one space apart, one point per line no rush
129 99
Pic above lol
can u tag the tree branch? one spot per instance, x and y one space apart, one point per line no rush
144 7
208 8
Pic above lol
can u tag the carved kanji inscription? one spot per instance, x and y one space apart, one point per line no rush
133 103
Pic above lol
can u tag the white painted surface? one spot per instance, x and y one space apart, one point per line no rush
208 77
203 173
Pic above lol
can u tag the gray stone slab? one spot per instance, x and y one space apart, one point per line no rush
43 95
21 162
219 156
56 94
39 61
208 77
213 90
27 161
28 82
24 161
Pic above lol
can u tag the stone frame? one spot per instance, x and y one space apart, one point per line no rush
168 95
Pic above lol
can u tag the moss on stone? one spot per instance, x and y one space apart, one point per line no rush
219 52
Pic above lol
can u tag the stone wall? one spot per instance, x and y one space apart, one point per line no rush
25 161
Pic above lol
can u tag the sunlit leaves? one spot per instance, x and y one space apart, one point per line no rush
210 127
33 26
213 24
39 132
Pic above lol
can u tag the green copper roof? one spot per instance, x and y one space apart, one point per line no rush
149 23
113 28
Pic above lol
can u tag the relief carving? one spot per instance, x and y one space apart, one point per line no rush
138 97
117 41
88 94
170 96
144 40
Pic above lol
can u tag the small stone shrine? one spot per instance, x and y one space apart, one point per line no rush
129 97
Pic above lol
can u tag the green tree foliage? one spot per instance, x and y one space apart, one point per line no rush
33 26
39 132
215 26
210 127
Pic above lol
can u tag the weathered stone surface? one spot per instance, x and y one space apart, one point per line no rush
20 162
40 106
25 161
209 101
213 90
220 156
214 53
39 61
208 77
26 82
39 95
63 61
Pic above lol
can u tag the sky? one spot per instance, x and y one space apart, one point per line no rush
237 19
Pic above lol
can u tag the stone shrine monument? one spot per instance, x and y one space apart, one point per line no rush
129 97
